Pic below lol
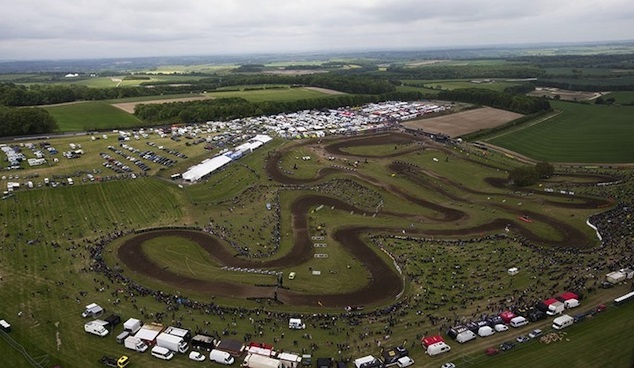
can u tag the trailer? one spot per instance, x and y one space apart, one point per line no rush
149 332
562 322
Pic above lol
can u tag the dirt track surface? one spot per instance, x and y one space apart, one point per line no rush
384 283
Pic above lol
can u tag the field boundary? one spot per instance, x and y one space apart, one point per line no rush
38 362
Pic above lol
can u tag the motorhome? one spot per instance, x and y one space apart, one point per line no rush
562 322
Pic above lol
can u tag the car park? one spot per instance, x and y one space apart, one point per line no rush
535 333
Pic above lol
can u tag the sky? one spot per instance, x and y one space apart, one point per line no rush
77 29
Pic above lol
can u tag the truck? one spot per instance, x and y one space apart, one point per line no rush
556 308
174 343
260 361
97 327
562 322
134 343
133 325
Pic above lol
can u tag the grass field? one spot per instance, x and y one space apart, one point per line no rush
47 269
581 133
94 115
621 97
287 94
491 84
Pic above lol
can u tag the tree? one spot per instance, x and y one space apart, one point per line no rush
523 176
544 169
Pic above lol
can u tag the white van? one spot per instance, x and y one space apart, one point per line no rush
519 321
404 362
465 336
485 331
296 324
437 348
162 353
221 357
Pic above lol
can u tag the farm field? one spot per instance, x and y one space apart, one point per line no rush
92 115
621 97
581 133
464 122
492 84
277 94
422 233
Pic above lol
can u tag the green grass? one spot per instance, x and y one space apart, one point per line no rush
488 83
44 280
581 133
290 94
603 341
94 115
621 97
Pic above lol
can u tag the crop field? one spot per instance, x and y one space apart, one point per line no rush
464 122
491 84
418 233
277 94
581 133
93 115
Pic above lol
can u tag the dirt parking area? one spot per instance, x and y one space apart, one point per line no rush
566 95
464 122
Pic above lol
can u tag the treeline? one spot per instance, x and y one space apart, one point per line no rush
25 121
604 60
233 108
516 71
517 103
528 175
41 94
587 85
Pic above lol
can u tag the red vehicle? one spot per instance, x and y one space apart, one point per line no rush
491 351
599 308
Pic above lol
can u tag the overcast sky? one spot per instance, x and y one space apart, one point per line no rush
70 29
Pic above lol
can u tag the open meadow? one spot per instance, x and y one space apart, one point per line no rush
418 233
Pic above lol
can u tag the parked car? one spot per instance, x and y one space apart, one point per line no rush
197 356
491 351
599 308
522 339
448 365
535 333
501 327
507 345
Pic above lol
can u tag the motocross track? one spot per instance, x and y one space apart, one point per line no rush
384 283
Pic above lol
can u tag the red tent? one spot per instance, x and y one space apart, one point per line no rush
567 296
431 340
507 316
550 301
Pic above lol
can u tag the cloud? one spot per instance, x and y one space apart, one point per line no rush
102 28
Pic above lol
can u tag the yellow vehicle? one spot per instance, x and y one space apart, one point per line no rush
123 361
